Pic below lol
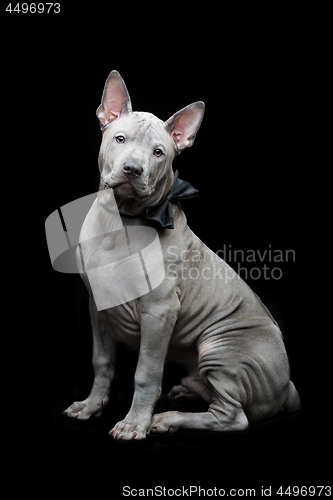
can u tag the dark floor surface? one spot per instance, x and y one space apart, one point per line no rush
287 450
245 161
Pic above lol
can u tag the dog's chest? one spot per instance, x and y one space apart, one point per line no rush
123 322
105 249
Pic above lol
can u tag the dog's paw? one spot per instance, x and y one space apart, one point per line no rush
130 430
82 410
165 422
179 394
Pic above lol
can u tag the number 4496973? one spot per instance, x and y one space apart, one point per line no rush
33 8
304 491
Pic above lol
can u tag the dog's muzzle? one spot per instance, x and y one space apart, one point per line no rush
132 169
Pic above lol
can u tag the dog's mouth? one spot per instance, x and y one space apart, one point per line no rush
126 189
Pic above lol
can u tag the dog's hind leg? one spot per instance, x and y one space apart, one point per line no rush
225 412
172 421
219 418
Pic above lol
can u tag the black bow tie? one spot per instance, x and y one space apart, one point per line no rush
162 212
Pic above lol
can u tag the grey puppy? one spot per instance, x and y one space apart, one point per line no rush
202 315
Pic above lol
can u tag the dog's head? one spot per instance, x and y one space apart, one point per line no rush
138 148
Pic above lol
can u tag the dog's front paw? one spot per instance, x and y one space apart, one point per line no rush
82 410
128 430
166 422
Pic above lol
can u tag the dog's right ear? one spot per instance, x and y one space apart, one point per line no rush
184 125
115 100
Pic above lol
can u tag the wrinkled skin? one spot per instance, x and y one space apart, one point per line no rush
202 315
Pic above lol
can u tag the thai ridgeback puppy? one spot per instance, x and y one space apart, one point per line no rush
202 314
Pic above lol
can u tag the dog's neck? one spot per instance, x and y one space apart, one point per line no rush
132 207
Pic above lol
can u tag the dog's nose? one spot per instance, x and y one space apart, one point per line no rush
132 169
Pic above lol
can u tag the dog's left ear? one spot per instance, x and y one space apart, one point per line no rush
184 125
115 100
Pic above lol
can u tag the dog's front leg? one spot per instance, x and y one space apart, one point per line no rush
156 330
104 353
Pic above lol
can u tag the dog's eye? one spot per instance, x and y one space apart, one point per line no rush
158 152
120 139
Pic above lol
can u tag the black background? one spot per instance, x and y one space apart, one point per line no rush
245 162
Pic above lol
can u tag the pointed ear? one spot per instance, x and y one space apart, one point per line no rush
184 125
115 100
